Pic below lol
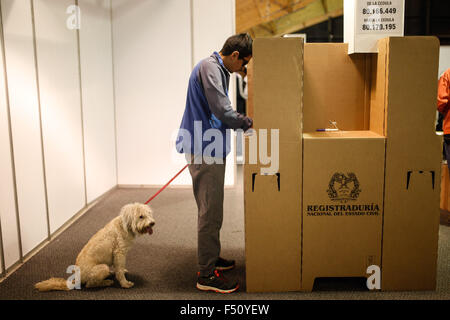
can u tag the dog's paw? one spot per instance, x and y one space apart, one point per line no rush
126 284
108 283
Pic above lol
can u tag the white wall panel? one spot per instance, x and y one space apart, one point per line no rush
213 23
8 220
152 59
25 127
57 60
153 62
98 97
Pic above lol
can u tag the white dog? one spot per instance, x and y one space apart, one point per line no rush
108 248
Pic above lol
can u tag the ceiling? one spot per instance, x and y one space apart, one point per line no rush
322 20
265 18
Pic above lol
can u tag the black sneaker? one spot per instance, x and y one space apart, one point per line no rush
224 265
216 282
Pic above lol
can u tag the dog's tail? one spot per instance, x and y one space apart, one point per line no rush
52 284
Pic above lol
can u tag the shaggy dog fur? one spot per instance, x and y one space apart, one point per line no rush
108 248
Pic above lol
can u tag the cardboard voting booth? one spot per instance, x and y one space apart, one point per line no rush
339 202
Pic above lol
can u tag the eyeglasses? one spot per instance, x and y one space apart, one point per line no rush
244 61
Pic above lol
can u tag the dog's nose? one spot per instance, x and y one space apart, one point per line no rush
152 224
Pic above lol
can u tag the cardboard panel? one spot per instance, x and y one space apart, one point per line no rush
413 158
378 90
273 223
278 82
343 181
335 87
273 202
250 89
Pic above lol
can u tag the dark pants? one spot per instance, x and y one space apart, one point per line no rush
208 187
447 148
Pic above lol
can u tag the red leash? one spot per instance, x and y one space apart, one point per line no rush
166 185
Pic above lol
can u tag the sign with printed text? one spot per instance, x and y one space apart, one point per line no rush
367 21
379 17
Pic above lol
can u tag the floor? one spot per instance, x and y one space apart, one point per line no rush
163 265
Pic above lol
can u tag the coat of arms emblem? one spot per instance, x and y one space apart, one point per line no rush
343 187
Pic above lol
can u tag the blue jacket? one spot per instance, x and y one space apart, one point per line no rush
208 107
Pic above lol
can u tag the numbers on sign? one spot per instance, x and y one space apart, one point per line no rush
378 10
379 27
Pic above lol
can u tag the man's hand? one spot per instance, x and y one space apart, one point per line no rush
248 123
242 72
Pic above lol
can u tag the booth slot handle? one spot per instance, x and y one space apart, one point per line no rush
408 178
254 176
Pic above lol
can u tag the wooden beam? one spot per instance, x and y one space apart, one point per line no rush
315 12
251 13
325 5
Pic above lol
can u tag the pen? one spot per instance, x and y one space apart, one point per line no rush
327 129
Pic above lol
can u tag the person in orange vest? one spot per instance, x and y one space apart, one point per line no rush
443 106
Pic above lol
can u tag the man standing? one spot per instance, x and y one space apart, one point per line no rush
209 115
443 106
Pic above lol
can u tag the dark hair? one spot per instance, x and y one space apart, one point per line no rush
241 43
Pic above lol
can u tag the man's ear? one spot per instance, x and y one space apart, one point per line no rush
235 54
